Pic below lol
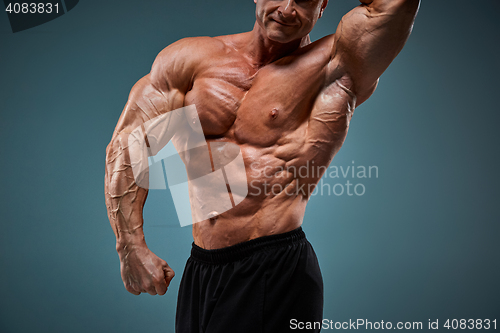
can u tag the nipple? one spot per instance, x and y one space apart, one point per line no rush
274 113
213 216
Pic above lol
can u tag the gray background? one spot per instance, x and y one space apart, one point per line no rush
421 244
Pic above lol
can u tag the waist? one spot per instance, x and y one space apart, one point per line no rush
241 250
244 223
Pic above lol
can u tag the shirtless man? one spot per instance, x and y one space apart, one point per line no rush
285 101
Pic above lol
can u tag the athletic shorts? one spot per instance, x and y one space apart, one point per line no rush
267 284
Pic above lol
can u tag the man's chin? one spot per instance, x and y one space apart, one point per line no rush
280 37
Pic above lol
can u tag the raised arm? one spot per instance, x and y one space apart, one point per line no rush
368 39
155 94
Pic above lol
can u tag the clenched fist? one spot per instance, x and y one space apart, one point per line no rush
144 272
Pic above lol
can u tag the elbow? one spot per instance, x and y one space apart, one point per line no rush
366 93
110 149
114 149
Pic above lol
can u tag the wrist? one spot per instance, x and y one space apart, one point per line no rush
127 244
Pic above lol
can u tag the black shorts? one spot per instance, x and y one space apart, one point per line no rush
264 285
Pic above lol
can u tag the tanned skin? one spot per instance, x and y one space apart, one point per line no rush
283 100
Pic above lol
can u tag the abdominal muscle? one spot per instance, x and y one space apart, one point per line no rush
277 191
272 206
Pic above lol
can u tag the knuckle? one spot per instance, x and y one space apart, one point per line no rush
169 273
130 290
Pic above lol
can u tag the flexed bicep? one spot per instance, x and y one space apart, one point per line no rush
369 37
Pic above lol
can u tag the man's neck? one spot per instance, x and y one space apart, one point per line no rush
262 51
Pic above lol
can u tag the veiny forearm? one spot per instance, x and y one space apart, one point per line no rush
124 198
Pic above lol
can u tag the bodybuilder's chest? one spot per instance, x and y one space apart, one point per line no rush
254 107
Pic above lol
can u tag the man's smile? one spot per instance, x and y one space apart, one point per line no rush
283 23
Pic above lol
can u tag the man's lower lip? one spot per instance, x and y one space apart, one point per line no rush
281 23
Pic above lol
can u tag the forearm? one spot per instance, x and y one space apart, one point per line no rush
124 198
141 270
149 103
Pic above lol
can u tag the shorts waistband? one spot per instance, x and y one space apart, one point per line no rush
239 251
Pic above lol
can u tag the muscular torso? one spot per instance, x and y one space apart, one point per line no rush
291 113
